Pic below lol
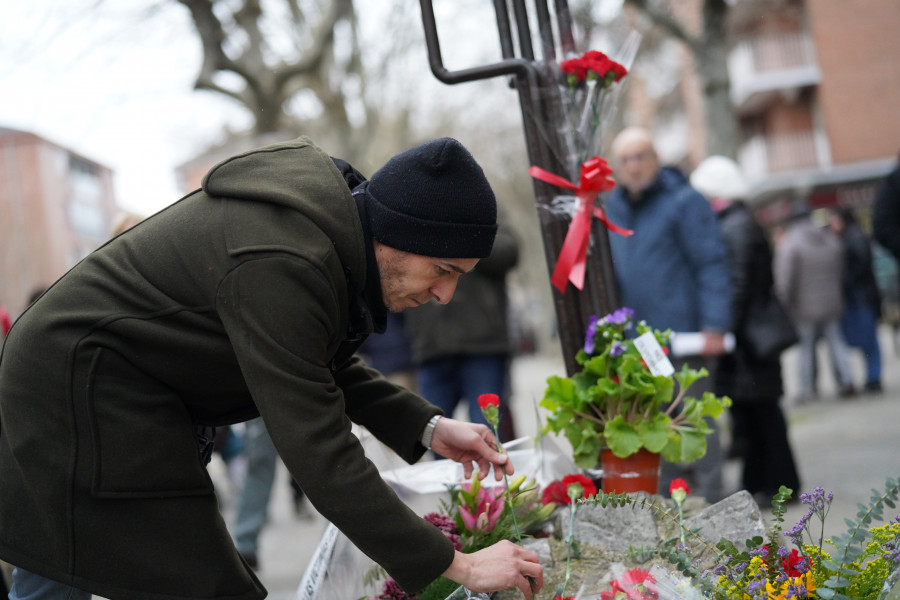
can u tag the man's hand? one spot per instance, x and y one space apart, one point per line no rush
467 443
496 568
713 343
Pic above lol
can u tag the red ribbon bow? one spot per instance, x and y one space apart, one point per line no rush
570 266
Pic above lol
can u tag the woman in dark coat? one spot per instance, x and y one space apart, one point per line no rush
752 382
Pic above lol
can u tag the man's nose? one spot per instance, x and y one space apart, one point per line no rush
443 291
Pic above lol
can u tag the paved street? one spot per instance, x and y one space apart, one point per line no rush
844 446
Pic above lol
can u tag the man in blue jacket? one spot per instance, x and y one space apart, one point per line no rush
673 271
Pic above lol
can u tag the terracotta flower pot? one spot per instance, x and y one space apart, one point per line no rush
638 472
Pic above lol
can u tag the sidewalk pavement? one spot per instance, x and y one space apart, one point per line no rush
848 447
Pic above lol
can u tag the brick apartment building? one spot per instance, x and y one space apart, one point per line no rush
816 88
56 206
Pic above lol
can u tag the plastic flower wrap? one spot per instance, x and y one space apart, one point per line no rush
635 584
589 80
585 100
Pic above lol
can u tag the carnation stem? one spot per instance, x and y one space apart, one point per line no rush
570 541
509 505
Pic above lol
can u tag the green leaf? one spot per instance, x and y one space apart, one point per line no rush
655 433
693 445
622 437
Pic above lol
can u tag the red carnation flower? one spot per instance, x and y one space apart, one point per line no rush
587 486
555 492
486 400
679 484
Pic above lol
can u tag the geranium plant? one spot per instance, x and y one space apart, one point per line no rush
625 398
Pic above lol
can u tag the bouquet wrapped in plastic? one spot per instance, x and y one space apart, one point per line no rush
586 99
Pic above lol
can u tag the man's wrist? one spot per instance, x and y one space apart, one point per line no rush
428 432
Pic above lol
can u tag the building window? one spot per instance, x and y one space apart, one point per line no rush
85 208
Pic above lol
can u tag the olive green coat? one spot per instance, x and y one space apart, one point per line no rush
244 296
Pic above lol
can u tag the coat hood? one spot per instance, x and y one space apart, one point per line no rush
297 175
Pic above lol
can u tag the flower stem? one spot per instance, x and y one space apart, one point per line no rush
512 509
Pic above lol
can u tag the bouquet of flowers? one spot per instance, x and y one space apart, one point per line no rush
583 106
589 80
863 564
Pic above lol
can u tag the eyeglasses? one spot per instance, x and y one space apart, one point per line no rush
638 157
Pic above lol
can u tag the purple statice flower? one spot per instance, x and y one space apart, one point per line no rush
797 590
893 557
616 349
795 533
393 591
757 588
589 336
620 316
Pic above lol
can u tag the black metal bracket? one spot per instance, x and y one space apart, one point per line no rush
536 87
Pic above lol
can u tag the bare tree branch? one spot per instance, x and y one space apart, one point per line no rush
664 20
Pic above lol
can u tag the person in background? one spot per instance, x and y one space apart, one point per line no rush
862 300
390 352
809 273
246 298
463 349
752 382
886 213
673 272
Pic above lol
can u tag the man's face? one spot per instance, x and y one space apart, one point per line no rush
409 280
636 166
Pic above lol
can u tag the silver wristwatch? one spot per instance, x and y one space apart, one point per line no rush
429 431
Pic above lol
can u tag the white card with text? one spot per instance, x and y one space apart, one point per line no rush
653 355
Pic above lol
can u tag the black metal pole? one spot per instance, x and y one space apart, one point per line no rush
538 89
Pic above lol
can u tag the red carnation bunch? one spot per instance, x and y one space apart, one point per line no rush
593 64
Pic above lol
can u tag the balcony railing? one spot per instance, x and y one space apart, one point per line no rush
763 155
771 62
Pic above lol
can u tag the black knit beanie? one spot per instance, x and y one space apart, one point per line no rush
433 200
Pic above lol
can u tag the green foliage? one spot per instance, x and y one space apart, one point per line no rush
616 402
859 561
439 589
854 566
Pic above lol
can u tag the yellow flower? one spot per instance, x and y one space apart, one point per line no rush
806 579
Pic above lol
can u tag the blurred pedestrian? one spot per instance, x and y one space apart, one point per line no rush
749 376
247 298
809 269
862 299
673 272
255 492
390 352
886 213
463 349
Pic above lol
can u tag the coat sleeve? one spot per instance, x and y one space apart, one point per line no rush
281 313
390 412
708 256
